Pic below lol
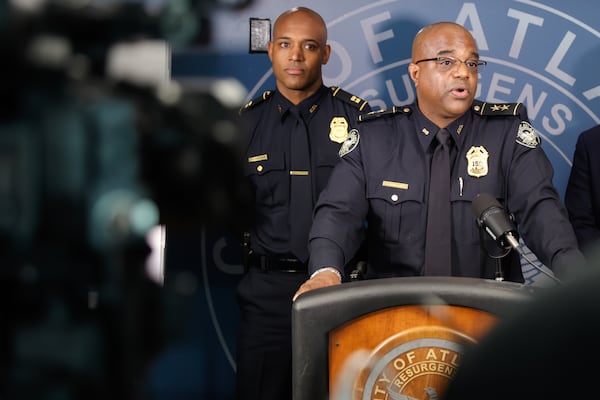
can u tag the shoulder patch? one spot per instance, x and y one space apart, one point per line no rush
527 136
383 113
349 98
496 109
350 143
256 101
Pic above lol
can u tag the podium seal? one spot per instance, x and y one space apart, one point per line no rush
415 364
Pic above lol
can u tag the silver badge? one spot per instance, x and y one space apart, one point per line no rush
527 136
350 143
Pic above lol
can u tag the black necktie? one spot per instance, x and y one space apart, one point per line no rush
438 237
301 201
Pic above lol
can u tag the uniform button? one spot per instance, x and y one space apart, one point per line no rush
259 168
394 197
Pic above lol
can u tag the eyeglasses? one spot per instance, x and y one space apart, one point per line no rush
448 63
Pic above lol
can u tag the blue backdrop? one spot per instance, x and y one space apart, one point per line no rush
541 54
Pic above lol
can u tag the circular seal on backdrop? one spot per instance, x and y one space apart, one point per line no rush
417 363
350 143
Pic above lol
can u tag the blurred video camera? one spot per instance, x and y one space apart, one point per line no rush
93 126
98 146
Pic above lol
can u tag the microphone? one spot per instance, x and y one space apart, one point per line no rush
496 222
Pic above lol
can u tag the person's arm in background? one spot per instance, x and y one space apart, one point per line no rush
579 193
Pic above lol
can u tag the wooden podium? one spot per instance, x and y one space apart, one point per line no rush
395 338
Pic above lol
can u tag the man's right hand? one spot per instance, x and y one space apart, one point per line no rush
322 279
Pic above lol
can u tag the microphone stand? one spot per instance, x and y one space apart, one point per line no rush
494 251
499 273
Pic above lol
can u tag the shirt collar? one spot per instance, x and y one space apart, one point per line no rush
427 130
308 107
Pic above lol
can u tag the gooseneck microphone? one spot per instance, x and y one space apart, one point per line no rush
492 217
496 222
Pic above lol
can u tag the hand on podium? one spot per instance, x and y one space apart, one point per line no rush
323 277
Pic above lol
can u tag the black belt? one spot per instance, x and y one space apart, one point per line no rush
267 263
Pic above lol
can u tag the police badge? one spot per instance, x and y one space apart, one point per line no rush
350 143
477 164
338 129
527 136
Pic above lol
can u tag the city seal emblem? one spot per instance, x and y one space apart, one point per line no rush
417 368
527 136
350 143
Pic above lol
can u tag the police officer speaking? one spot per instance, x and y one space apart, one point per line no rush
414 171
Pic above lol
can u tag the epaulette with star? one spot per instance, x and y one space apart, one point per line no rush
526 134
384 113
349 98
258 100
498 109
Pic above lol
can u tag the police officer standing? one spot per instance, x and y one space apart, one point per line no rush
294 136
391 177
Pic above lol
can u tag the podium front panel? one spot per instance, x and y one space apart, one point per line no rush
396 330
402 351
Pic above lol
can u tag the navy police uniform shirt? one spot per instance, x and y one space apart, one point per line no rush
383 178
330 114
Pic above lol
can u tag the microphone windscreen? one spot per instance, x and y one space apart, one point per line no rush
482 202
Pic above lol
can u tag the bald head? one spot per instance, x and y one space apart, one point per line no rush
444 83
429 37
317 21
298 50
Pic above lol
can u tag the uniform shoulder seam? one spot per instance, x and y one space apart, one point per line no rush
254 102
349 98
404 110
